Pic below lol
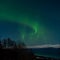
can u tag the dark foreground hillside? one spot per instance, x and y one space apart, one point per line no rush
20 54
15 54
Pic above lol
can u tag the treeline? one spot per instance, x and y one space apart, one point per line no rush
10 50
9 43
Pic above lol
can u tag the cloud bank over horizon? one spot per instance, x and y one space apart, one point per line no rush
45 46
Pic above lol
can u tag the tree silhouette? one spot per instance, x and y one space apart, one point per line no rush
21 45
15 46
4 43
10 42
0 44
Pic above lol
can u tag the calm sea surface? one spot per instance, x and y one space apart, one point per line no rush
47 52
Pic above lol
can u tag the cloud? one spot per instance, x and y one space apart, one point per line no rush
45 46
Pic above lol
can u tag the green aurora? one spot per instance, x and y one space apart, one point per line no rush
37 15
13 13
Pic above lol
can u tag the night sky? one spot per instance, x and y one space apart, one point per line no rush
35 22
